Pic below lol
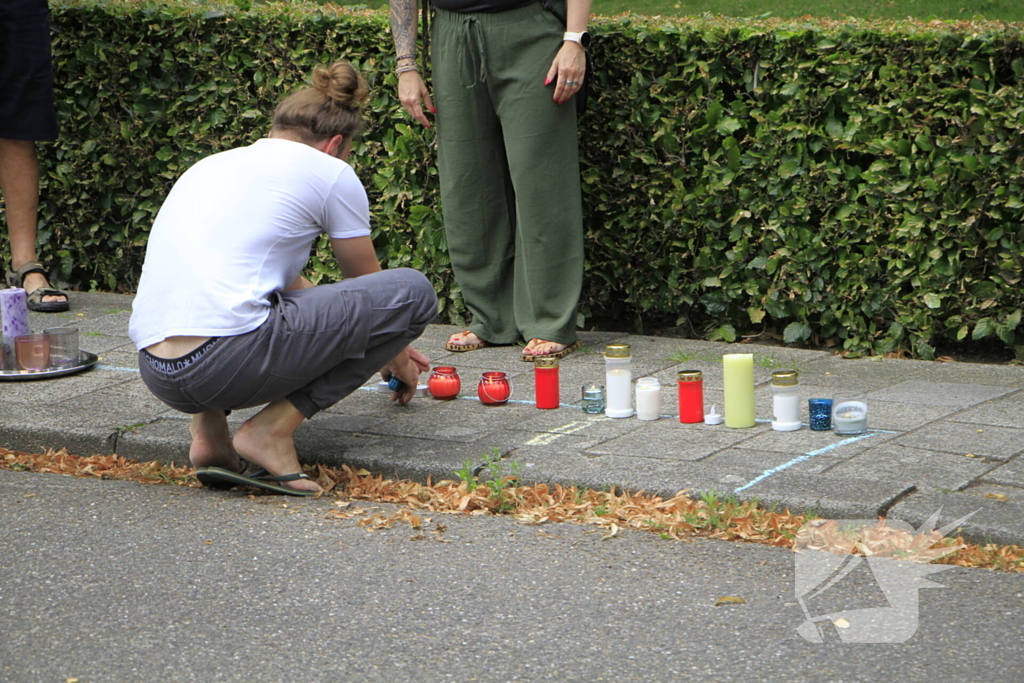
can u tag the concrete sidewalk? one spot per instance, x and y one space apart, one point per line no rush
943 435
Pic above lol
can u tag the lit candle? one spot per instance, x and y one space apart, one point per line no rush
849 413
739 389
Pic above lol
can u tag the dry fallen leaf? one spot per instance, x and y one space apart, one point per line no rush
611 534
678 517
729 600
1001 497
841 623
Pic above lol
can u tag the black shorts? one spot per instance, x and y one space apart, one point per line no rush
26 75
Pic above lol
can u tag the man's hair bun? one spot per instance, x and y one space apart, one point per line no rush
333 106
342 84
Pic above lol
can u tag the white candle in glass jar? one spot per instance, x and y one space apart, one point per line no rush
648 398
618 379
850 417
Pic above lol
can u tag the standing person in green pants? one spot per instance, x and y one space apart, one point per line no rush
505 73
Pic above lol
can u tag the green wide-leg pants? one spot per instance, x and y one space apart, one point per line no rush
509 173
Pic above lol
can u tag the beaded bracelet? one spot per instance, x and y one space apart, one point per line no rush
406 67
401 57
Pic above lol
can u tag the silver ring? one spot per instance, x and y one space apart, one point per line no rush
572 82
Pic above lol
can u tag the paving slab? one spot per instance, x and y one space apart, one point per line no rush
958 438
935 428
831 497
992 522
1008 474
939 393
923 467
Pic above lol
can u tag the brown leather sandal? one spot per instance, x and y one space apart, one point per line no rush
15 278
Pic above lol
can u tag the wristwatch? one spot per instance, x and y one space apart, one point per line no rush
582 38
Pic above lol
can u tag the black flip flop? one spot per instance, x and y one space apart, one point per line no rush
218 477
218 484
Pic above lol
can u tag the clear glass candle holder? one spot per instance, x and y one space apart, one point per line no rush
593 399
849 413
32 351
63 346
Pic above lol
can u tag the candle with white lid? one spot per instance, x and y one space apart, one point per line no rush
738 371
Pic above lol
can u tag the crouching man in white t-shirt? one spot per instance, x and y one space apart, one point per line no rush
224 320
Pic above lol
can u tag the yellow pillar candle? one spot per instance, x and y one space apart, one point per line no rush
739 389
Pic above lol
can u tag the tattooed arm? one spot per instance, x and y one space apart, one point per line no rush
412 91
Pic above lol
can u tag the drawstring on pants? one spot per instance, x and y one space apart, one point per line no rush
474 38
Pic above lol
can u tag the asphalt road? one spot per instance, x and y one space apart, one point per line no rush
106 581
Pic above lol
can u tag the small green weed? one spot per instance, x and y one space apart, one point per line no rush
496 482
124 429
682 356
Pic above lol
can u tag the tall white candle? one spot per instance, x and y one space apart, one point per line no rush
618 379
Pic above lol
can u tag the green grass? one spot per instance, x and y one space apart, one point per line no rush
995 10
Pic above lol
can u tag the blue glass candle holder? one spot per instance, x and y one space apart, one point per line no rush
820 410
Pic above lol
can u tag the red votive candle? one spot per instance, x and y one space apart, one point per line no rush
545 379
691 396
444 383
494 388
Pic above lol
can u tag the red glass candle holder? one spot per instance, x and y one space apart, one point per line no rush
545 378
444 383
494 388
691 396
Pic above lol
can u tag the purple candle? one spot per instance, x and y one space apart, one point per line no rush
14 312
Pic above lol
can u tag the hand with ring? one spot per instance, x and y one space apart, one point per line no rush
567 71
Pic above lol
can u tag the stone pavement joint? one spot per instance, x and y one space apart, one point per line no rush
943 435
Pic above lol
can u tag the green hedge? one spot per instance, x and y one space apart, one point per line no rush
854 183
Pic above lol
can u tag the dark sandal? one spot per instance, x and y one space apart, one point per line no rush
214 483
218 477
15 278
530 357
462 348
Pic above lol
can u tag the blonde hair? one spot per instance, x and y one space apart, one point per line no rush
332 106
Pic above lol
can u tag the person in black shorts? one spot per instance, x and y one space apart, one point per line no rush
27 114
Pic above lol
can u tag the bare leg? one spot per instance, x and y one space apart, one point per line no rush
266 440
211 442
19 183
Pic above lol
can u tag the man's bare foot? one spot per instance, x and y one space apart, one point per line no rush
465 341
34 281
266 440
211 442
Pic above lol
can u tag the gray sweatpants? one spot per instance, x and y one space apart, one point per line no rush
317 347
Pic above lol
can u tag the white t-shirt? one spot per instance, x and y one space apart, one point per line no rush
236 227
